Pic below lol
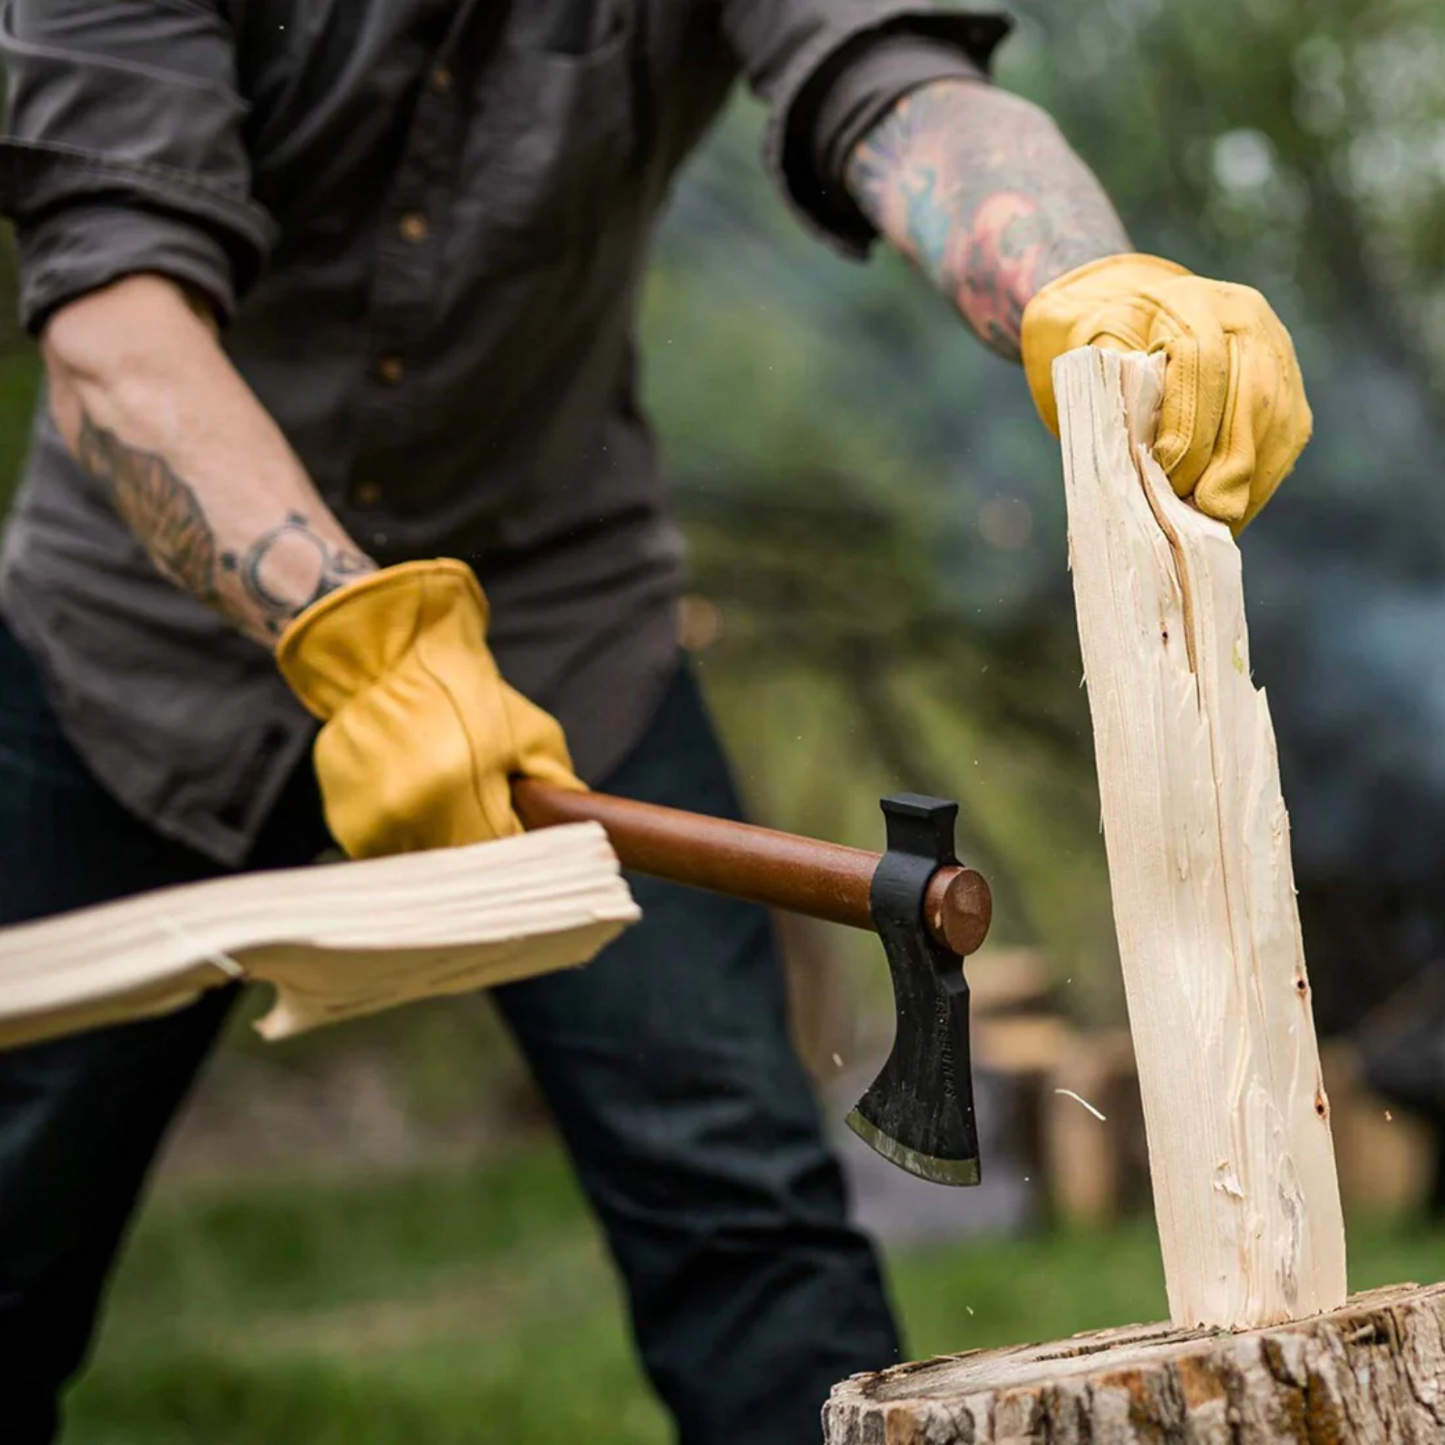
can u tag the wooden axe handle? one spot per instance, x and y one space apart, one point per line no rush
781 870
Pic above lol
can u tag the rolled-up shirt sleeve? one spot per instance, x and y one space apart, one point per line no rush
829 68
123 150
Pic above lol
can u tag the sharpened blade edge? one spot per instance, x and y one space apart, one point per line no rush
924 1166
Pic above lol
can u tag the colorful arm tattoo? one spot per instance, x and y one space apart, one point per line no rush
981 192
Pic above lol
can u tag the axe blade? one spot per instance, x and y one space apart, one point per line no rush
918 1113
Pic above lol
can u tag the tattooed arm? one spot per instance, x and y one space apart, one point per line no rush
151 406
982 193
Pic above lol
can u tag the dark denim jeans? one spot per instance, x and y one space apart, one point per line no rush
666 1063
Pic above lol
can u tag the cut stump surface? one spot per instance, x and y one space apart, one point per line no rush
1373 1371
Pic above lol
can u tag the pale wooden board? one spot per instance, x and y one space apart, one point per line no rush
1197 836
335 941
1372 1373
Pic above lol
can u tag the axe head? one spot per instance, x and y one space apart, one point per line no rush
918 1114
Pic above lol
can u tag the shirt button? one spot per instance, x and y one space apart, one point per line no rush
390 369
441 80
366 494
414 227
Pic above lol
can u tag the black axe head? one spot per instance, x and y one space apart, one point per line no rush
918 1114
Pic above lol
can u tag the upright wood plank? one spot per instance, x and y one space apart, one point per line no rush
1197 835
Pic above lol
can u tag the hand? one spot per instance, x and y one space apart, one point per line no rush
1234 415
421 735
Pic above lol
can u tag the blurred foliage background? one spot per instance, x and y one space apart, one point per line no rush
368 1231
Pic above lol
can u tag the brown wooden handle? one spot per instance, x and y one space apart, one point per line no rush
781 870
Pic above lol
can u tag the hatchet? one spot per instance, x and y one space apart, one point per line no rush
929 911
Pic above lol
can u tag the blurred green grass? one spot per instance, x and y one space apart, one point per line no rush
468 1304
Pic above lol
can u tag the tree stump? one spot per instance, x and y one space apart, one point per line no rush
1372 1371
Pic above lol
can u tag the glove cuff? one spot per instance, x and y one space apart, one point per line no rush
1136 261
355 635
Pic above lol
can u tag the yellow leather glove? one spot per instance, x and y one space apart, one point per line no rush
421 734
1234 416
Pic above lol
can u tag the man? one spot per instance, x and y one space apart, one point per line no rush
329 288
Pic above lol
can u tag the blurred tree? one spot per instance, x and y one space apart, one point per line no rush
872 501
1301 146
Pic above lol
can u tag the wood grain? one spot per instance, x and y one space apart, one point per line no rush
334 941
1241 1160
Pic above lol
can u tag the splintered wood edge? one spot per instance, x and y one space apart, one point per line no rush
1380 1358
1197 840
388 930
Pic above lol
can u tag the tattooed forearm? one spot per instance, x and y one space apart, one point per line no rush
981 192
261 584
157 506
288 568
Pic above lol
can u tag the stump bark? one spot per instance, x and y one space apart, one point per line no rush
1372 1371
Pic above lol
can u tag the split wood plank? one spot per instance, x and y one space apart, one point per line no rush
334 941
1241 1160
1372 1373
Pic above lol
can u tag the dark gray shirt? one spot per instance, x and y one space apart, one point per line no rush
424 223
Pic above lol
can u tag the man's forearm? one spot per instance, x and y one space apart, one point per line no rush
153 409
982 193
